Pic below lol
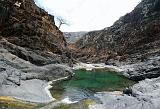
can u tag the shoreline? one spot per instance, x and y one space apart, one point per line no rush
75 67
95 66
46 90
50 86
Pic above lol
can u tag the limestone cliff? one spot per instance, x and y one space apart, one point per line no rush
136 32
31 51
24 24
134 38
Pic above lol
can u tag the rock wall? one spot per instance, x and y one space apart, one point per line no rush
135 33
133 39
24 24
32 50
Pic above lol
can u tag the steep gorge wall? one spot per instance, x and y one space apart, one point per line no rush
32 50
30 33
24 24
136 33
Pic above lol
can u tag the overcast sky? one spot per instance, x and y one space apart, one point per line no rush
87 15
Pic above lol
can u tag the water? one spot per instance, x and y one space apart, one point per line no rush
78 92
85 83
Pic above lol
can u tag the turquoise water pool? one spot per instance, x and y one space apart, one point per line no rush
85 83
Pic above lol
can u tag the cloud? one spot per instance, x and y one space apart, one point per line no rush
86 15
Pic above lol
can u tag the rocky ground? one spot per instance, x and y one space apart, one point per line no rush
144 95
131 44
23 80
32 50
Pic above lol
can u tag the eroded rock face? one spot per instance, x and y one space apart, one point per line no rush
139 71
26 81
135 33
133 39
24 24
32 50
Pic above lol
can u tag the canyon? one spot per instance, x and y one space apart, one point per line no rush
33 51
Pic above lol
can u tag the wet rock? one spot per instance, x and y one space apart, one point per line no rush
128 91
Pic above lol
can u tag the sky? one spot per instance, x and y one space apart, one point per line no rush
87 15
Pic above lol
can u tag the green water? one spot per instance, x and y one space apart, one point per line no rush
81 87
94 81
98 80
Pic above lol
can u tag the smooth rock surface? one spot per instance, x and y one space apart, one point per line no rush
26 81
145 95
29 90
